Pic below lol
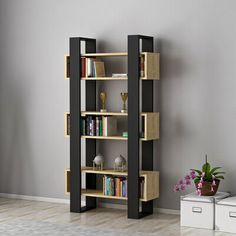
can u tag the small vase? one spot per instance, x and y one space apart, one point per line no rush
206 188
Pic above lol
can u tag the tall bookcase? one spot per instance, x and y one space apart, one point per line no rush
137 147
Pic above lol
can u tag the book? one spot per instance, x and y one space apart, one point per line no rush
83 126
99 68
89 66
83 66
109 125
119 75
97 126
117 187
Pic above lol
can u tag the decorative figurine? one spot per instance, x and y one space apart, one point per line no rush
124 97
98 162
103 97
119 163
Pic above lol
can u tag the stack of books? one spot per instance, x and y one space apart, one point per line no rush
99 126
117 186
92 67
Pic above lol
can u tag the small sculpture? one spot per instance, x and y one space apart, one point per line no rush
119 163
103 97
124 97
98 162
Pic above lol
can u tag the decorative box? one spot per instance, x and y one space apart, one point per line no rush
225 217
199 211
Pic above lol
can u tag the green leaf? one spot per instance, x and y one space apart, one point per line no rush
196 180
220 177
198 171
217 173
214 169
206 168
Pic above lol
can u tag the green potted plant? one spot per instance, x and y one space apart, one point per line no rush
206 180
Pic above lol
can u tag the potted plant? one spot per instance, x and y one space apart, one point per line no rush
206 180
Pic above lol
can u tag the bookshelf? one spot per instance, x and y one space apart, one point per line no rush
151 183
151 65
150 124
145 121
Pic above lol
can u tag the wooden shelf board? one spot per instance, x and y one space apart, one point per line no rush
151 180
110 78
90 170
111 113
104 78
99 193
109 54
98 113
105 137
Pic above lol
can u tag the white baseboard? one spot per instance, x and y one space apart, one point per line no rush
67 201
34 198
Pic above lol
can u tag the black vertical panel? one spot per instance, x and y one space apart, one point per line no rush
133 126
147 106
90 99
75 114
75 146
90 105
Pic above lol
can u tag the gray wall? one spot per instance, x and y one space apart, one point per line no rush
197 88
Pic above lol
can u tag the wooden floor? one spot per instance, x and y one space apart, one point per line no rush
101 218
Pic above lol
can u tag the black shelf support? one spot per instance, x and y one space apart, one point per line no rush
134 125
75 135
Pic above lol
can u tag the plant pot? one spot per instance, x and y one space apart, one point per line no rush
206 188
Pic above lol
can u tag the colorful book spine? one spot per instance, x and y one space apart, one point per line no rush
100 127
97 126
83 66
118 186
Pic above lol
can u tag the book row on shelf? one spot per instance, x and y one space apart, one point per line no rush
93 67
98 125
117 186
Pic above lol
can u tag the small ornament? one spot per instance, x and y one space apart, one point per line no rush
124 97
119 163
98 162
103 97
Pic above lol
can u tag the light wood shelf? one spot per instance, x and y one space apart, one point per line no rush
104 78
104 137
66 126
66 66
98 113
99 194
151 65
151 124
151 183
108 54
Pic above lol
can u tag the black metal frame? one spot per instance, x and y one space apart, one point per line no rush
133 125
75 135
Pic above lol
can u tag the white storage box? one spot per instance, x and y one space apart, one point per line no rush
225 217
199 211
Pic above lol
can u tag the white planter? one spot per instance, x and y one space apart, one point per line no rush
199 211
225 218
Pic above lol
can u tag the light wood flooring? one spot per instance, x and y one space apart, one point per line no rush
99 219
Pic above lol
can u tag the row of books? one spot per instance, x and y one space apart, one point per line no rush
117 186
92 67
99 126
